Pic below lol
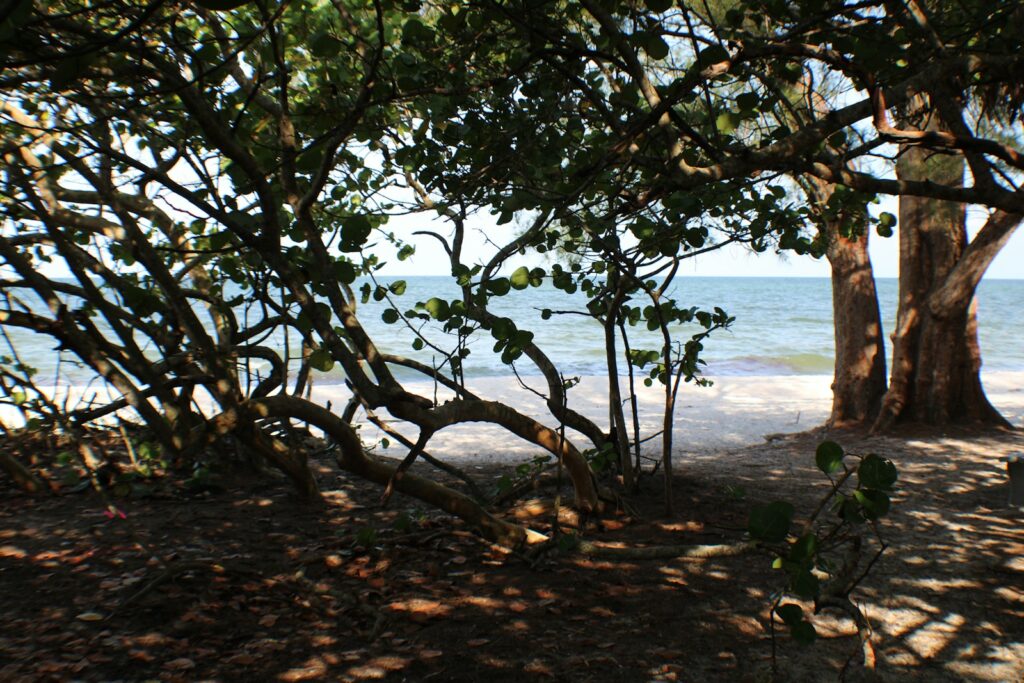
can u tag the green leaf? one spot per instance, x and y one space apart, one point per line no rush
354 232
875 504
321 360
747 101
790 613
804 633
876 472
655 47
770 523
829 457
438 309
520 279
324 46
499 286
658 6
806 585
390 316
804 548
728 121
397 287
345 271
712 55
416 31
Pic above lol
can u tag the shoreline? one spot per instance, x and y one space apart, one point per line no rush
736 411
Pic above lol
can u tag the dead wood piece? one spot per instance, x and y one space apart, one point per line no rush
25 479
659 552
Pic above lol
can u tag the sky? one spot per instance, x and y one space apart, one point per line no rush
430 259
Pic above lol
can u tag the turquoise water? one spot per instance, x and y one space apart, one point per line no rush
783 326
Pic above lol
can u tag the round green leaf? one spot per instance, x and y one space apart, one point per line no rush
438 309
712 55
829 457
520 279
390 316
875 504
804 633
806 585
655 47
790 613
499 286
804 548
876 472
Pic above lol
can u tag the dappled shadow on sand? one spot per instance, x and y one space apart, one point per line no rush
254 586
947 600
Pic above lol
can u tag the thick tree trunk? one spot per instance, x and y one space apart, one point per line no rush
936 359
859 382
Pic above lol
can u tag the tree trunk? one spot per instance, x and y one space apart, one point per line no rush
936 376
859 381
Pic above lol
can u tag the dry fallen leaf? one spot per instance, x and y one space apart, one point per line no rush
180 664
90 616
268 620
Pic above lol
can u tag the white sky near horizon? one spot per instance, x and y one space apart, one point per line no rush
733 261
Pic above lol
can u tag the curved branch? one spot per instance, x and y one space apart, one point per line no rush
354 459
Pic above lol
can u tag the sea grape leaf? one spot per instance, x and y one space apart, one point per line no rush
805 584
876 472
790 613
829 457
874 503
804 633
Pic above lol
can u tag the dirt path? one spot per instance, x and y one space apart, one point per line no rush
251 586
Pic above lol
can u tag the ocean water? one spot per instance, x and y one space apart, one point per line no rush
783 326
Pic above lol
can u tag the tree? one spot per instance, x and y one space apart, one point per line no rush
936 359
859 381
184 163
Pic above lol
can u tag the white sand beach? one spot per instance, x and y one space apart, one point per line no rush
736 411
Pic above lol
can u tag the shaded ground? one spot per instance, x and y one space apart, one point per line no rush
251 585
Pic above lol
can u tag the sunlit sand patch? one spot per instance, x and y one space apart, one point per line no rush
1010 594
932 638
993 664
483 602
896 622
421 607
312 669
378 668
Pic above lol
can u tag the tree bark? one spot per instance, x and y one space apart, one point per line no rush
936 370
859 382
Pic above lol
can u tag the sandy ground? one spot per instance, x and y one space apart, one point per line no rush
946 601
735 411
